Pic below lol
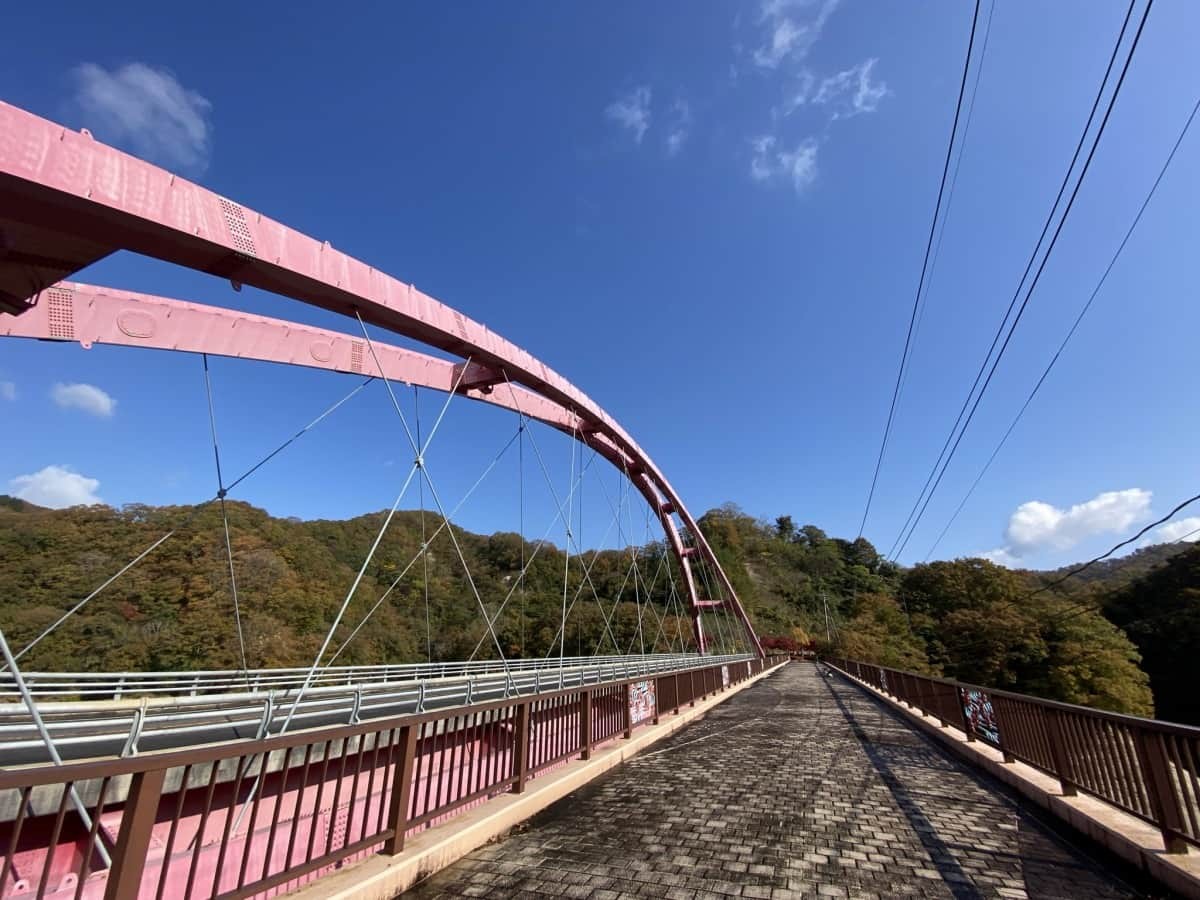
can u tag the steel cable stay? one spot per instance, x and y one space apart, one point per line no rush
237 613
187 519
1070 333
562 644
424 540
951 443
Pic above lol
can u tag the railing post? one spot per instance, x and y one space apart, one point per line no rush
585 724
401 789
676 678
129 858
521 747
1163 799
1058 750
627 693
692 686
962 712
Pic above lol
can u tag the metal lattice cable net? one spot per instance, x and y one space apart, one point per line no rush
187 520
528 563
421 464
420 553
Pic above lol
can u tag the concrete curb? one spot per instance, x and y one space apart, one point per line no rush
1127 836
379 877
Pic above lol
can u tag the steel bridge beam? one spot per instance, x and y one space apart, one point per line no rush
67 200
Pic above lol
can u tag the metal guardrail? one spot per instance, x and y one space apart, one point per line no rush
1147 768
207 821
116 685
95 728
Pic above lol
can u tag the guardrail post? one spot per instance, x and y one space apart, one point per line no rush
962 712
657 696
401 790
585 724
1163 799
627 693
1058 751
692 686
521 747
129 858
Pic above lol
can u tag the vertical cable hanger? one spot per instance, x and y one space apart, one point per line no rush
237 613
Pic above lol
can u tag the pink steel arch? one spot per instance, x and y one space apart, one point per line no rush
67 201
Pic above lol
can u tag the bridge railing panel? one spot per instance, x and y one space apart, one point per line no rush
1148 768
244 818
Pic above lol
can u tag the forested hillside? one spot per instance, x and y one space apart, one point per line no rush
174 609
1103 640
1091 640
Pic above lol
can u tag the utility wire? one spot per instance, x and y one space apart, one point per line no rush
887 429
892 551
1034 282
1078 319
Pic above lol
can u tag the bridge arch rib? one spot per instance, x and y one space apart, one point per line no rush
67 200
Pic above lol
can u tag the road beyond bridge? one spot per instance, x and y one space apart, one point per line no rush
801 786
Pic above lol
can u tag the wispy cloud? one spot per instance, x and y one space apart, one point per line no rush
852 92
56 487
1178 530
632 112
790 28
148 111
679 128
1037 527
86 397
8 390
772 162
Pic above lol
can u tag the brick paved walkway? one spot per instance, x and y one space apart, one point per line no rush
801 786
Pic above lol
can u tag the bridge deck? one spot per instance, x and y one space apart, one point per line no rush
800 786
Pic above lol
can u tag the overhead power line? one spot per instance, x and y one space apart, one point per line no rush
902 542
887 429
1078 319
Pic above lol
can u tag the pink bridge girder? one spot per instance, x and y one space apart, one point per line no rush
67 200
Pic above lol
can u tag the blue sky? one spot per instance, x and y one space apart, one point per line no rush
710 217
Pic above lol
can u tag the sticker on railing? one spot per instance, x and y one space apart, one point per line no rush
883 685
641 702
724 676
981 718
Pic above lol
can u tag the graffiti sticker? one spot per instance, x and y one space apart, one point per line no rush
981 718
641 702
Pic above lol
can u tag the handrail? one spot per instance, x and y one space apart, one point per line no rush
1145 767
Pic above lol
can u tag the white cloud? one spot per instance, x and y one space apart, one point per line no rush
791 27
632 112
681 123
8 390
1036 526
771 162
1001 557
851 92
147 110
1178 530
56 487
86 397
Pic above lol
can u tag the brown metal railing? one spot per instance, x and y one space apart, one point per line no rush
242 819
1145 767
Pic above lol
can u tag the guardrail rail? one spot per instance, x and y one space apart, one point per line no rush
1145 767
